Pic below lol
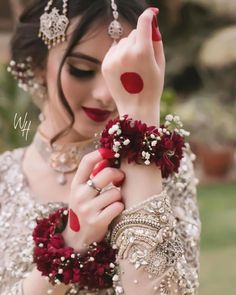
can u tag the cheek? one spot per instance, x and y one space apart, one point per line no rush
73 90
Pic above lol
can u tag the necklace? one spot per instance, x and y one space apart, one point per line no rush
62 158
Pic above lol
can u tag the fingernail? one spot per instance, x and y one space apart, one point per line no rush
106 153
100 167
74 221
156 34
119 183
154 22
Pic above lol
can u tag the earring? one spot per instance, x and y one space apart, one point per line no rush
26 80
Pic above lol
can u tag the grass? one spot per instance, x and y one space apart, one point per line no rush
217 205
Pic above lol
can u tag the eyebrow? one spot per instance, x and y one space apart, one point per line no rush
86 57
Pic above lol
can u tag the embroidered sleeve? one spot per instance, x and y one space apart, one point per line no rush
150 254
16 289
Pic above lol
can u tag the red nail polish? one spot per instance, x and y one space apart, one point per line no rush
156 34
74 221
154 22
119 183
106 153
100 167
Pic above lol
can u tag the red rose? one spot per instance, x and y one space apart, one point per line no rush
167 143
167 167
57 241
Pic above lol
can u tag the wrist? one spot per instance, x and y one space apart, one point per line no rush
75 241
152 182
63 264
148 116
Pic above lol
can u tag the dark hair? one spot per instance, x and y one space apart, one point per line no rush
25 41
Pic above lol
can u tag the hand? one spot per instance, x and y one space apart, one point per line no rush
89 213
134 69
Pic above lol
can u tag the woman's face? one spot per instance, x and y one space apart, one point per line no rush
83 84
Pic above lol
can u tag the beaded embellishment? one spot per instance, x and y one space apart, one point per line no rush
53 25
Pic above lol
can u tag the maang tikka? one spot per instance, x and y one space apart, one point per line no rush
53 25
115 29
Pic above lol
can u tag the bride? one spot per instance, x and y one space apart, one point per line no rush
103 201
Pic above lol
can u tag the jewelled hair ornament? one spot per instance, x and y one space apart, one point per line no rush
23 73
115 29
53 25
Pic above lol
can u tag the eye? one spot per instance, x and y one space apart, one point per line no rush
80 73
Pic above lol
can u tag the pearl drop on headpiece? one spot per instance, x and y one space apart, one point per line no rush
53 25
115 29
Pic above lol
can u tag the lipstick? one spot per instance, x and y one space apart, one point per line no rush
96 115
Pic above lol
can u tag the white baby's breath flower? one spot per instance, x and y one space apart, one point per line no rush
154 143
176 119
169 117
117 143
126 142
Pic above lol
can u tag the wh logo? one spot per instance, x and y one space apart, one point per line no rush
24 125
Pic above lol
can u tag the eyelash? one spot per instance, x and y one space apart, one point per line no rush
80 73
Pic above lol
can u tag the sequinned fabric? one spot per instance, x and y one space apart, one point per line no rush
178 230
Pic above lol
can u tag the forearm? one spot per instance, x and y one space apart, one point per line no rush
148 249
141 182
139 282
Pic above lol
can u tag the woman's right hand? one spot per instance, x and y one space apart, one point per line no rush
91 213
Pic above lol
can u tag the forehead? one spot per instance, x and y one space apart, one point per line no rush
96 42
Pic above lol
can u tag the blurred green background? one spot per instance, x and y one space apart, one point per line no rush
200 40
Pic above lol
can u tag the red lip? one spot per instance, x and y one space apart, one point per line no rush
96 115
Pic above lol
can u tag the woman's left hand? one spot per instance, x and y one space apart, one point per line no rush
134 70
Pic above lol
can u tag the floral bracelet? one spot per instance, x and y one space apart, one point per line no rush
144 144
61 264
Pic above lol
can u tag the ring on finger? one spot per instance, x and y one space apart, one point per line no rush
92 185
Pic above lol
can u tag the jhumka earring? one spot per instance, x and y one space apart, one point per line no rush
23 74
115 29
53 25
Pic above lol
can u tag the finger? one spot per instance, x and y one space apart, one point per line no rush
159 54
132 36
156 34
88 162
105 199
144 31
86 166
101 181
108 175
99 167
110 212
157 43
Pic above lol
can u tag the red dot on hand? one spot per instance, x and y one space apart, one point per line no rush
74 221
132 82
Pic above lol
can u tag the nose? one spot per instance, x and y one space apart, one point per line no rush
102 94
